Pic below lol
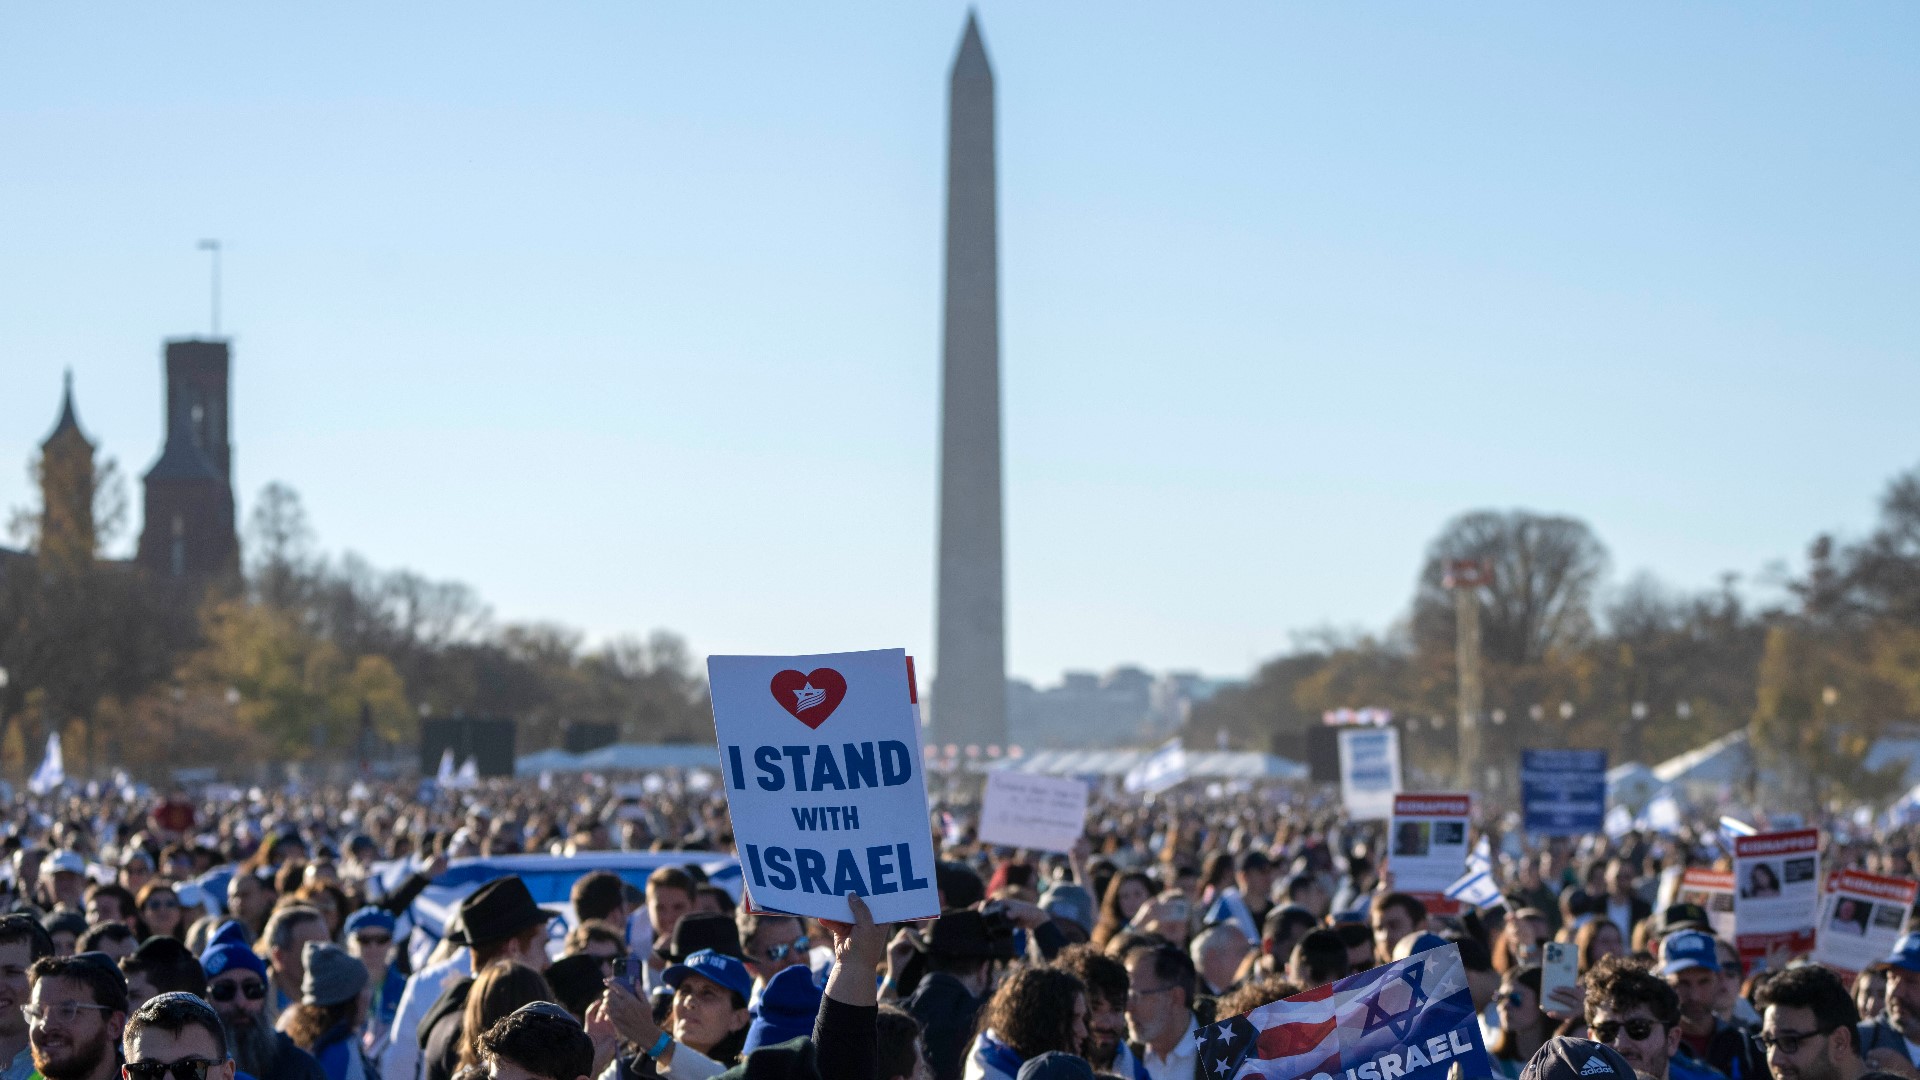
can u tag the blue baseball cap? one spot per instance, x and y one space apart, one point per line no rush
367 918
716 967
1688 949
1905 954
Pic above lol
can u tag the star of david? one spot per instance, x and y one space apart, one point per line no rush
1400 1023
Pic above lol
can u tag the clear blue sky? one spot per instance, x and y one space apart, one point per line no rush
627 313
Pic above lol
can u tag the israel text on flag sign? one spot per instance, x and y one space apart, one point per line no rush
1409 1020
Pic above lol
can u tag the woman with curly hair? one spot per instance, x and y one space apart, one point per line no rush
1035 1011
326 1021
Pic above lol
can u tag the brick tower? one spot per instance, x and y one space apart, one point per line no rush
188 532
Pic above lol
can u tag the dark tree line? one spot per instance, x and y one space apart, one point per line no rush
286 662
1641 670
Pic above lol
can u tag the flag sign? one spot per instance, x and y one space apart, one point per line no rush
1428 846
820 757
1409 1020
1861 918
1369 771
1776 881
1564 792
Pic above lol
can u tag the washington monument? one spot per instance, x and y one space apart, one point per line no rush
970 674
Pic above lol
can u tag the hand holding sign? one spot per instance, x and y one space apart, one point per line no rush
820 758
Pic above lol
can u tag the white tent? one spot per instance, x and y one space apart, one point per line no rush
1201 764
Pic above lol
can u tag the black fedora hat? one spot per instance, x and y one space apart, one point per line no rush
962 933
698 930
495 912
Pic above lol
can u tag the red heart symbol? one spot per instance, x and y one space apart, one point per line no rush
812 697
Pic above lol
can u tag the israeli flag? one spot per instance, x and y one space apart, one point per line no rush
1162 769
52 772
1477 888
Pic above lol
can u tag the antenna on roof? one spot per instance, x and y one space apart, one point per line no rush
214 246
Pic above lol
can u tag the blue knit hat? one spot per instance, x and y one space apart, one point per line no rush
368 918
221 958
787 1009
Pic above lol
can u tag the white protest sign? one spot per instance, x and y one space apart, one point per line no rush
820 757
1369 772
1864 915
1428 845
1776 878
1712 892
1044 813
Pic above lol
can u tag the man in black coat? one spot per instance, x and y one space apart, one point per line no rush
960 954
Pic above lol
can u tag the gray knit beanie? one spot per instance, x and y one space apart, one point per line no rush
333 975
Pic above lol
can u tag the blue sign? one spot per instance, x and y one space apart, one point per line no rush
1563 792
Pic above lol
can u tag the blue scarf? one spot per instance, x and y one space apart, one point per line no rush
999 1055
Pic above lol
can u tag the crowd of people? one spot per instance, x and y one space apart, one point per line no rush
274 934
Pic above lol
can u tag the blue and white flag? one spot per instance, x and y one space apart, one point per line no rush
1477 888
1411 1020
52 772
1230 906
1162 769
1662 815
1619 822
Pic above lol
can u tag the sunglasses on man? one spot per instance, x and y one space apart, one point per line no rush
777 953
254 989
184 1069
1609 1030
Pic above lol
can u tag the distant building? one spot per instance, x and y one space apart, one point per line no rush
1126 707
188 532
66 530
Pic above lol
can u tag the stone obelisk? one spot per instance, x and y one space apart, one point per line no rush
970 675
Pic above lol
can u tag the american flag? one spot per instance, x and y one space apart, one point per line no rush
1410 1019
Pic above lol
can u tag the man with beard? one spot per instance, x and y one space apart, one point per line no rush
1891 1041
1106 981
79 1006
237 987
1632 1010
22 941
1810 1026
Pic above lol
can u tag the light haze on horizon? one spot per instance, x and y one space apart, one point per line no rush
627 315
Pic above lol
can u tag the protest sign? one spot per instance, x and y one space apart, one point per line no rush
1776 879
1428 848
1369 772
1409 1020
1711 890
1563 792
1024 810
1863 916
821 762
